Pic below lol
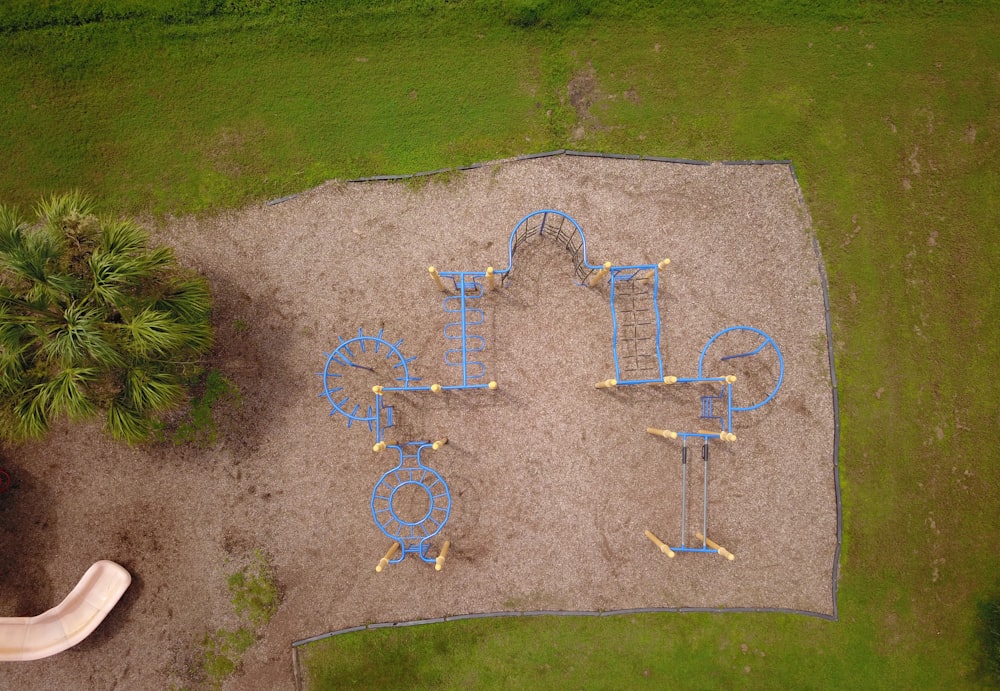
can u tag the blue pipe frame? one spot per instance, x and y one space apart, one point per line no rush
616 273
380 417
411 535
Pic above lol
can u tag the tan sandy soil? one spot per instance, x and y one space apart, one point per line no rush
552 480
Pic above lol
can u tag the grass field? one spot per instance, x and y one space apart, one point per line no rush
891 113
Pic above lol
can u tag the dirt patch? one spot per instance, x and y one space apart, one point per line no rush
552 480
583 92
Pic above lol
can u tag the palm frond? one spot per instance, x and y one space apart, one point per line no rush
108 280
198 338
151 333
124 423
29 414
67 393
187 298
157 259
122 236
14 339
34 264
79 338
122 262
150 390
54 210
12 226
112 274
29 259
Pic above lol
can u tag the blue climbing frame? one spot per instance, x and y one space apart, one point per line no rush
636 338
704 518
634 291
341 361
469 286
411 475
767 342
725 418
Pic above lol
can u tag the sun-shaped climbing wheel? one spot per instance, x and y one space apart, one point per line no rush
358 364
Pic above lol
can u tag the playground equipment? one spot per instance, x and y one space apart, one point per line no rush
410 530
633 292
706 544
69 622
384 359
720 408
766 343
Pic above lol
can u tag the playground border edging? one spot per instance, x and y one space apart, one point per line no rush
546 154
824 282
563 613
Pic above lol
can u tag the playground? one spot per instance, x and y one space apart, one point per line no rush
552 479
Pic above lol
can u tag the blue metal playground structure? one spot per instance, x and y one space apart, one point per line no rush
636 349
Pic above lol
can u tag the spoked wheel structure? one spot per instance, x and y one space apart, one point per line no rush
411 503
356 365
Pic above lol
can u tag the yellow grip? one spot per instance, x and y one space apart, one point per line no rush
384 561
716 546
437 278
439 560
659 543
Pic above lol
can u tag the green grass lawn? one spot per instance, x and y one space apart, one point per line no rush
891 114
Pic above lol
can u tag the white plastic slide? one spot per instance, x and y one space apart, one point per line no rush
69 622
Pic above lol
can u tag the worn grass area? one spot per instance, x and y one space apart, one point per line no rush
890 113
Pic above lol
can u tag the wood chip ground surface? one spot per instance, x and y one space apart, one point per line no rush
553 481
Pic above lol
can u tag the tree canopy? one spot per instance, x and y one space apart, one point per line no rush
93 322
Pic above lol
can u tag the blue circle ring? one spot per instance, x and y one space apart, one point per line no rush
768 341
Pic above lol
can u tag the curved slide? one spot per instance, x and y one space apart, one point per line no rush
69 622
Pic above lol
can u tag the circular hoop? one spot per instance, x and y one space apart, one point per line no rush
394 526
768 341
340 362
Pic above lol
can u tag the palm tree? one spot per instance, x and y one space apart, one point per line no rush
93 321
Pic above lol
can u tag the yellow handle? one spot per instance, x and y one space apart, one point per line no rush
384 561
665 433
606 384
439 443
600 274
439 561
659 543
714 545
649 277
437 278
724 436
